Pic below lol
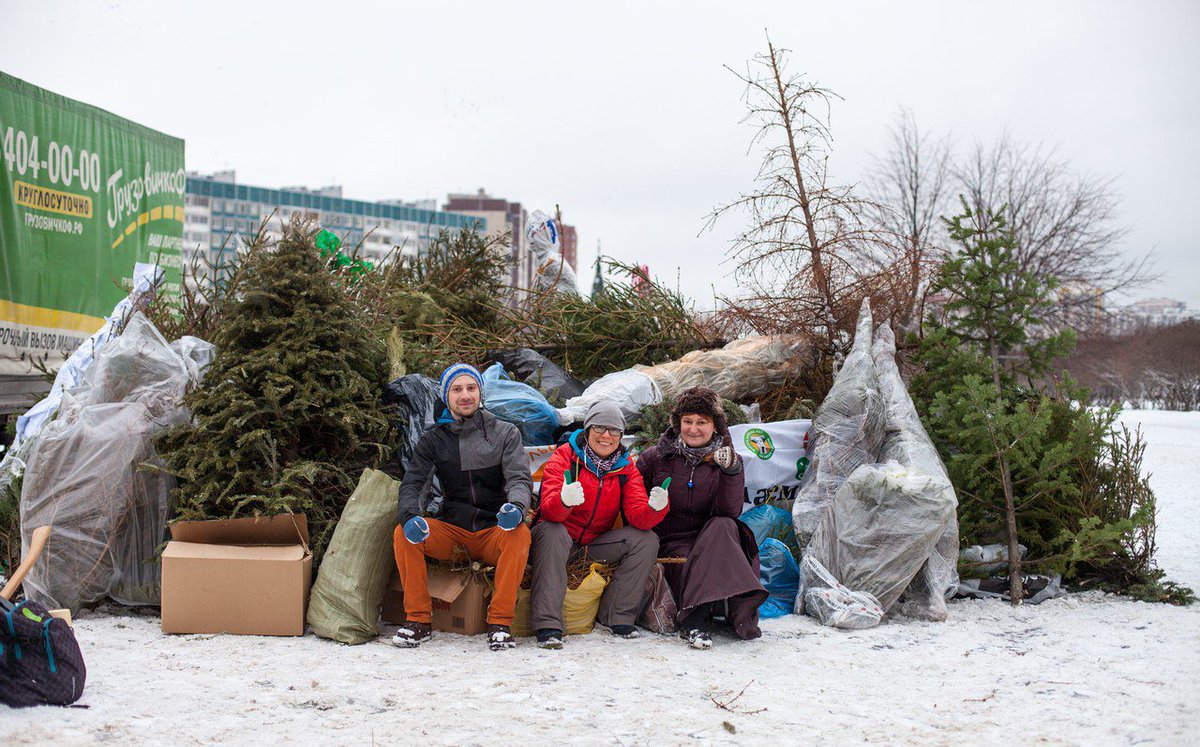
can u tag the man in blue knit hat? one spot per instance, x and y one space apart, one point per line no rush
480 468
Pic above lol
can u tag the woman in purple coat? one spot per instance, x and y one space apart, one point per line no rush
720 577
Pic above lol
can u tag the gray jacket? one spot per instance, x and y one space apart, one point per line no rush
479 465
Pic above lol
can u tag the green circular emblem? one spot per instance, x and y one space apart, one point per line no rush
759 441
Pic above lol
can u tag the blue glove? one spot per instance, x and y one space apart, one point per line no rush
416 530
509 517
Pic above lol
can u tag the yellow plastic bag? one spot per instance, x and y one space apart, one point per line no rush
579 606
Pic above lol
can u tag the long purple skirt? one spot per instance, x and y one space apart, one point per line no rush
722 567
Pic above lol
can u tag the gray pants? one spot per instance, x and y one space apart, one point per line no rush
633 551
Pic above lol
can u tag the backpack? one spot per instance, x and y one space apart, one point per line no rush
40 660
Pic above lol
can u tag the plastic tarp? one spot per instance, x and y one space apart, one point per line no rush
880 529
780 576
553 272
521 405
412 402
834 604
146 278
630 390
847 432
91 476
775 457
356 568
742 370
538 371
905 442
771 522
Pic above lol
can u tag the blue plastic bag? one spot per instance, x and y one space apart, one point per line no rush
521 405
771 521
780 575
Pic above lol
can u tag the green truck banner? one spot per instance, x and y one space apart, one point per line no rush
84 195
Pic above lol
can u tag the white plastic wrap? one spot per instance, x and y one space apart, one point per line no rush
906 443
847 433
630 390
146 278
835 605
86 475
553 272
744 369
197 354
138 366
880 529
108 515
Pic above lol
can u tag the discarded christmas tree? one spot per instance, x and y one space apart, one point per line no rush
289 414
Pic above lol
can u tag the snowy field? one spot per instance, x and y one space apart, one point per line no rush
1087 669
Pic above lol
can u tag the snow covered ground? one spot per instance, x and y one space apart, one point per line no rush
1088 669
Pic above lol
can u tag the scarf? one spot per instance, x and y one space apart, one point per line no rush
694 455
602 464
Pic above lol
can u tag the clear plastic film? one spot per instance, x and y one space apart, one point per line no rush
742 370
847 433
905 442
554 274
880 530
92 475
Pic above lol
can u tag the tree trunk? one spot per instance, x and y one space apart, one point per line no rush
820 276
1016 590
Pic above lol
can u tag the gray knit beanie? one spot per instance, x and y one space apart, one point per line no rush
605 414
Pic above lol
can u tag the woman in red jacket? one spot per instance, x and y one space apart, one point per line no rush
720 577
589 482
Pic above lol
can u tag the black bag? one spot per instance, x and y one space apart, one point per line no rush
539 372
40 660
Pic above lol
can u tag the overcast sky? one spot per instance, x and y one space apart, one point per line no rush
623 114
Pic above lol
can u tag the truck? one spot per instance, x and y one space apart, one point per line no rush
84 195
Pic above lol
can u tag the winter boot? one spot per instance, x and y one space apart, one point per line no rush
697 638
499 638
625 631
413 634
549 638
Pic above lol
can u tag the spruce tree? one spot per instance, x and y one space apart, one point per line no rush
983 370
289 413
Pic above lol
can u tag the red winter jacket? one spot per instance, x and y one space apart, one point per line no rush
620 492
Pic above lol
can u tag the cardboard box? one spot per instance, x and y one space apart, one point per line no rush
460 601
247 576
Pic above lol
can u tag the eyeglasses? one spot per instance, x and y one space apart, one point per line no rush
600 430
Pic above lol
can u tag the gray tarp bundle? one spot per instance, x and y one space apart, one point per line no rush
847 432
413 401
876 512
905 442
87 477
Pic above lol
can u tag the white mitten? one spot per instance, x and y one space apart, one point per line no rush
572 494
658 498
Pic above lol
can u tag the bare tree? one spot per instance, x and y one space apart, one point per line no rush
807 253
1067 225
910 187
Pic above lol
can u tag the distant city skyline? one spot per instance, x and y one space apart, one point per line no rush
625 117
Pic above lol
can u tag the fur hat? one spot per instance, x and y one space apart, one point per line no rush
700 400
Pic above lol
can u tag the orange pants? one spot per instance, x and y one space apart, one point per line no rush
507 551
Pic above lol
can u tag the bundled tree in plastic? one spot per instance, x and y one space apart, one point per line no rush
290 413
848 432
